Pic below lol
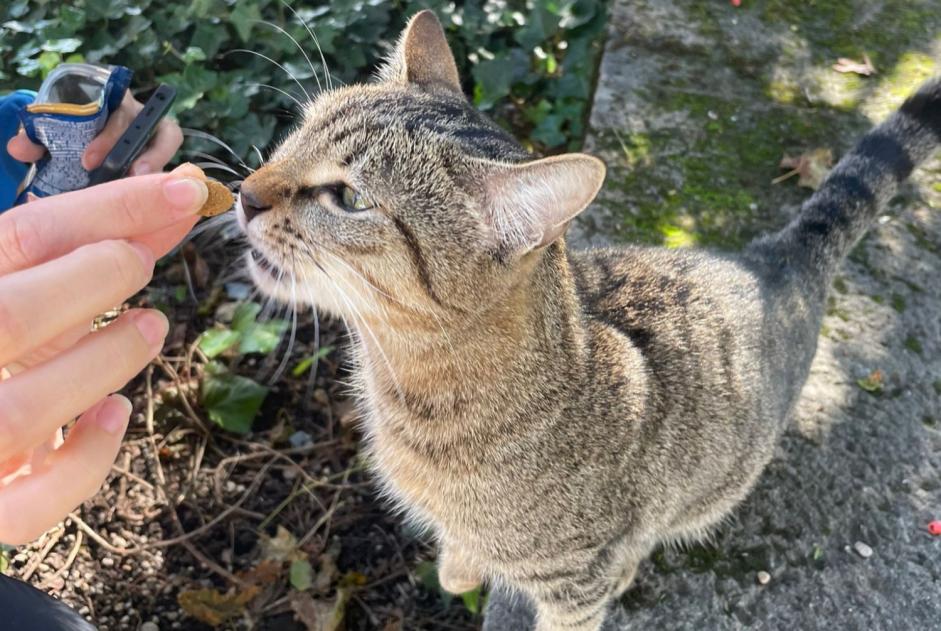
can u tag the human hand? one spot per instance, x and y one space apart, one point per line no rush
63 260
159 152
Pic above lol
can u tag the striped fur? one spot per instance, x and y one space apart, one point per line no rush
550 415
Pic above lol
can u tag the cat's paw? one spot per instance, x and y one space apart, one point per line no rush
458 583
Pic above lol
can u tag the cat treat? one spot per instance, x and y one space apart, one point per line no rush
220 199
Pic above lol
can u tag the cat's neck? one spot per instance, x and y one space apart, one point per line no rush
535 326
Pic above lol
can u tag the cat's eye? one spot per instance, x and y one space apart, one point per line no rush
354 200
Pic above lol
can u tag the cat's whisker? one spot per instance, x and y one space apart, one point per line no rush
299 47
296 100
225 224
290 347
269 59
261 158
352 339
208 157
357 317
196 133
188 277
206 166
312 371
371 286
328 78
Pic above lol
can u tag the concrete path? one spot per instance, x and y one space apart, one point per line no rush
696 104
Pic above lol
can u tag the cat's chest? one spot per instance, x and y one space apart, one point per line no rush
429 486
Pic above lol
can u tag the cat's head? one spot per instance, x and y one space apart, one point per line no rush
398 197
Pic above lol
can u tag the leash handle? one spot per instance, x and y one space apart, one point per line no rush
135 137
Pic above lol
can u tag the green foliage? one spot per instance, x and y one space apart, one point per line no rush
305 364
5 551
301 575
529 62
427 573
231 401
246 333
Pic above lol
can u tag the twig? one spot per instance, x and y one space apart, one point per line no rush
104 543
39 558
131 476
149 419
180 539
183 539
182 390
73 553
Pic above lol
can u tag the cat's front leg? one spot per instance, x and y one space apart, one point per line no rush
457 572
576 606
571 616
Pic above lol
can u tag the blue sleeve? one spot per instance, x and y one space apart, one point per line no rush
12 171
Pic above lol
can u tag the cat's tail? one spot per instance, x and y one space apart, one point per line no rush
852 195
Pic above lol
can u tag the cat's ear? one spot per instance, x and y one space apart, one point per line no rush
423 56
528 206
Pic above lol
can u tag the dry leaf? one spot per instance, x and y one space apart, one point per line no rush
319 615
873 383
265 573
327 572
864 68
811 167
281 547
213 607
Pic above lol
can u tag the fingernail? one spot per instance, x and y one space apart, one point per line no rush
187 167
113 414
90 160
153 326
142 168
186 195
146 256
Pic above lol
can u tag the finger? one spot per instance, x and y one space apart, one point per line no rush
107 138
130 208
161 149
26 320
47 351
21 148
70 475
34 403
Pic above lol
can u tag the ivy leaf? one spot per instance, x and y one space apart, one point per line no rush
243 17
263 338
193 53
231 401
214 342
495 77
245 315
66 45
256 337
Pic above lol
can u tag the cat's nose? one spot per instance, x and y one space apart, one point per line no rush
252 203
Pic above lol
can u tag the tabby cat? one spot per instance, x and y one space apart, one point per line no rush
550 415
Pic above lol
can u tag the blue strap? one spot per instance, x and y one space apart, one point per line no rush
12 172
